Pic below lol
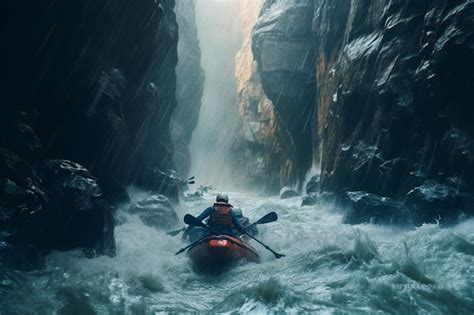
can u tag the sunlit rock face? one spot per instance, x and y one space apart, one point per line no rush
282 47
96 81
189 85
264 145
394 99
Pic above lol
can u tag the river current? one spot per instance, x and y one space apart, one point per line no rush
329 268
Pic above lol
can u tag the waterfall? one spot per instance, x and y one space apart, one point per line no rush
219 33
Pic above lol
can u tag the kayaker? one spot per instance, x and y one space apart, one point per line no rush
221 217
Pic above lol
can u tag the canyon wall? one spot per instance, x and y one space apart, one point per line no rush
91 82
392 111
282 47
189 85
96 82
264 147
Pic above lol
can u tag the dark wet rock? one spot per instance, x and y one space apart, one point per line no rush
392 173
363 207
21 257
287 192
165 182
156 211
22 139
105 98
313 186
393 88
78 214
364 162
310 199
434 201
14 167
11 193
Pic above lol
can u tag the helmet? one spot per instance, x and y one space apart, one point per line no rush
222 198
237 211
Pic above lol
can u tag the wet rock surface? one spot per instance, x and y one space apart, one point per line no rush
155 211
60 207
165 182
81 90
313 185
310 199
92 94
287 192
366 207
434 201
392 91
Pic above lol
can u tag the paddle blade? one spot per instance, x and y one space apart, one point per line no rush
277 256
270 217
191 178
190 220
191 182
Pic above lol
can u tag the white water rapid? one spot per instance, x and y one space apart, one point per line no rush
329 267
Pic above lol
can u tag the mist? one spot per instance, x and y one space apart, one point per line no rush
219 34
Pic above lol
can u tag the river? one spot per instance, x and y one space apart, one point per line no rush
329 267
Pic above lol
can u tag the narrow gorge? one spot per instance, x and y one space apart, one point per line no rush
352 120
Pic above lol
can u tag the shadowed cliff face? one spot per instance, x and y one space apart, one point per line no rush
394 97
92 82
392 111
96 81
189 85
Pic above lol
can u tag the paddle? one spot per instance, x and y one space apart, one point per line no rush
268 218
190 245
176 232
189 219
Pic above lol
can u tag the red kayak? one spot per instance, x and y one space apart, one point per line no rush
216 252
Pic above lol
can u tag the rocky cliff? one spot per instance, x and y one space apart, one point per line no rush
282 47
189 85
392 111
96 82
92 82
264 148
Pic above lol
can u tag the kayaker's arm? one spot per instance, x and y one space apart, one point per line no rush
207 212
236 222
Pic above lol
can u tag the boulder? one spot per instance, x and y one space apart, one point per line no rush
310 199
361 207
433 201
23 140
164 182
14 167
78 215
314 184
287 192
155 211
